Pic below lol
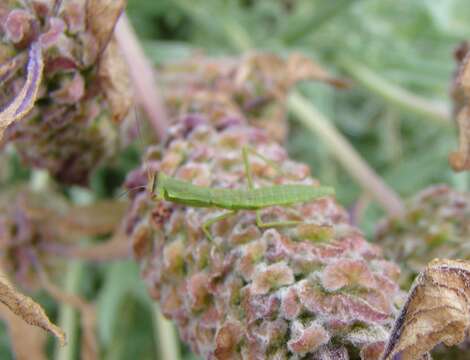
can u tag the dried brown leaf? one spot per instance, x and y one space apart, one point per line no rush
23 102
460 90
436 311
101 17
115 81
460 159
28 309
300 68
463 77
285 73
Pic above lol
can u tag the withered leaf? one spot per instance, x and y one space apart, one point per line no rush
115 81
436 311
23 102
101 16
463 76
460 159
285 73
29 310
300 68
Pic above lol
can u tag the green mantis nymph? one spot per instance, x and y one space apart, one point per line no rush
164 187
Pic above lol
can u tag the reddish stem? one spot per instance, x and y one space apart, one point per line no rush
142 74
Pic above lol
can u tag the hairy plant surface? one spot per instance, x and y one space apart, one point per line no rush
316 289
436 224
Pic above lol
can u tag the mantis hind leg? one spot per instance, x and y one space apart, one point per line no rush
207 225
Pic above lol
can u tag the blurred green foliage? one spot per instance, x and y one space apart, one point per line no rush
407 43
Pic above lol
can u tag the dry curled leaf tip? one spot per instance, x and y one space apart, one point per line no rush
302 68
102 16
457 161
436 311
460 91
29 310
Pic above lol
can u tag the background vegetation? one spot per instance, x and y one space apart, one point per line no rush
374 43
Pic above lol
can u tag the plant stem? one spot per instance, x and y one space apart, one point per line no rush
239 38
312 22
396 95
143 76
461 181
167 337
345 154
237 35
67 315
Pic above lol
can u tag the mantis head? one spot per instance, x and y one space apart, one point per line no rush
156 191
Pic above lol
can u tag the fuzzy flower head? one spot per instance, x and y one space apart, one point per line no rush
84 91
254 86
436 225
317 289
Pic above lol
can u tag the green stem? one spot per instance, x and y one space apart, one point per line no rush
396 95
67 315
237 35
461 181
310 23
311 118
167 337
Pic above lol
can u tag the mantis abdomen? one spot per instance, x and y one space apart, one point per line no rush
239 199
267 196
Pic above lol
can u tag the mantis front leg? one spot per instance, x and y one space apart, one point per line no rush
259 222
